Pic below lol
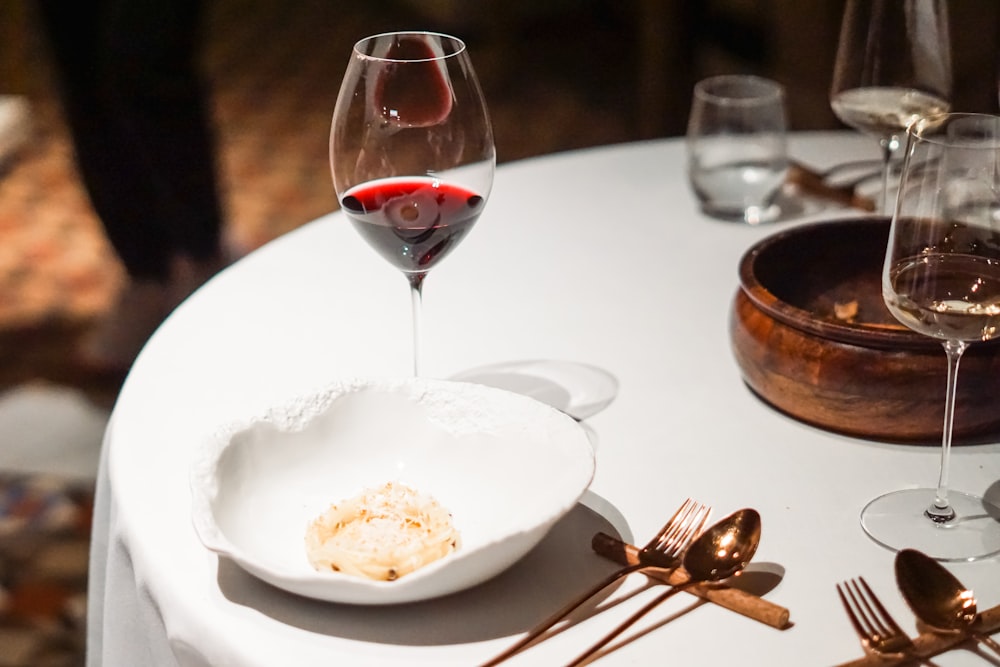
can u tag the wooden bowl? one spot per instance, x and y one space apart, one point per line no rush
813 338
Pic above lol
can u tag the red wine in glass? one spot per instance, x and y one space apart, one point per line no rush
413 222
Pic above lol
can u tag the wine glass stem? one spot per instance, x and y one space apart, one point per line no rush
416 281
940 510
887 144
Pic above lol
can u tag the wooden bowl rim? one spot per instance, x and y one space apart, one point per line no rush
845 332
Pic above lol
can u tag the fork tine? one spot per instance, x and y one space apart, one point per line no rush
865 600
684 531
697 524
881 613
871 629
671 524
849 608
690 530
873 623
877 629
699 528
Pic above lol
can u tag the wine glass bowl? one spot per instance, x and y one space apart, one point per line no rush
893 66
411 151
941 279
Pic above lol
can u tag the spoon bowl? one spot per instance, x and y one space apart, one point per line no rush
725 548
938 599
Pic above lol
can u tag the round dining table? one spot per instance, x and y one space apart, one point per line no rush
598 256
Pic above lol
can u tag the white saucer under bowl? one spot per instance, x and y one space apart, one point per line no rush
580 390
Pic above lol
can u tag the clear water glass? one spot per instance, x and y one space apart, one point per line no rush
737 147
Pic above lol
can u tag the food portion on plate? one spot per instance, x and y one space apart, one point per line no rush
381 534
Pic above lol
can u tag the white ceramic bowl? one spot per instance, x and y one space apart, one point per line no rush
506 466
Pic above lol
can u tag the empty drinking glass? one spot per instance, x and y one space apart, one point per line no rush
737 154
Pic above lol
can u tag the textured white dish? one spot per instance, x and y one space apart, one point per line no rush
506 466
579 390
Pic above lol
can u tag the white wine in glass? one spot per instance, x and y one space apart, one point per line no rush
893 67
941 278
411 151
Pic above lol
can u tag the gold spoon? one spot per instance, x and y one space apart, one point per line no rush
937 597
718 553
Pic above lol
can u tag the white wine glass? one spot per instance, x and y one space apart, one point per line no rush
412 151
941 278
893 66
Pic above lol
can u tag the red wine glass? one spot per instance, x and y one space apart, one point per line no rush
411 151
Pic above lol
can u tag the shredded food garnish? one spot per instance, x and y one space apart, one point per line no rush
381 533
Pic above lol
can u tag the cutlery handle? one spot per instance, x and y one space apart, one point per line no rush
734 599
986 640
628 623
812 183
539 629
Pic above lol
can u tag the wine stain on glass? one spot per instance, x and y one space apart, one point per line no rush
420 98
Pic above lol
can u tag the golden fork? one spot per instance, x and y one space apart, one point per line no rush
664 551
878 631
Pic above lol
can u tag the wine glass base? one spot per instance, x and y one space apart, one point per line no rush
752 215
897 521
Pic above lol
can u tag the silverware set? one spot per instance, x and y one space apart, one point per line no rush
688 554
721 551
663 551
940 603
683 546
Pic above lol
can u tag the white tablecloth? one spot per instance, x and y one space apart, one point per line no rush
598 256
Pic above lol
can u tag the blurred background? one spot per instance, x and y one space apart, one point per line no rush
558 75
